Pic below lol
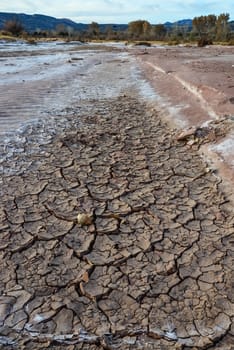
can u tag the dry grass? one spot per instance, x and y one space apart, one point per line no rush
7 37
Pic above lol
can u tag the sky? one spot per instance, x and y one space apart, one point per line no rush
120 11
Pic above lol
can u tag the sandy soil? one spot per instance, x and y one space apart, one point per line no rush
150 265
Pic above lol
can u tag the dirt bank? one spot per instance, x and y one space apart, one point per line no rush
196 89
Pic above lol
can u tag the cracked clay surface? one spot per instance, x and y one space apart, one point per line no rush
152 269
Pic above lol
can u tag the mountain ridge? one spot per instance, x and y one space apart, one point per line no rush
34 22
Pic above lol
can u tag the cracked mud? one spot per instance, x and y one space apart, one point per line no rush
151 265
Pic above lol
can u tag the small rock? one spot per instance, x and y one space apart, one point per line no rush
84 219
191 142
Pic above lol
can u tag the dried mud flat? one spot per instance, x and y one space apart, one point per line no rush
150 269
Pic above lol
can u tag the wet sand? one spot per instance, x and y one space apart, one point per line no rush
152 267
42 81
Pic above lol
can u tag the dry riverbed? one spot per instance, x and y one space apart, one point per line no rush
150 266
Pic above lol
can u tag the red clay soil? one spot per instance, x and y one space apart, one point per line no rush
197 86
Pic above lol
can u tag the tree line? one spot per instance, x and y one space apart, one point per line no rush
211 27
204 30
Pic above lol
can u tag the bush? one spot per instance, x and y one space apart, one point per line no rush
143 43
14 26
203 42
5 33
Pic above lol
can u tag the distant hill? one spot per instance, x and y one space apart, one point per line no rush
231 24
32 23
36 22
185 23
188 24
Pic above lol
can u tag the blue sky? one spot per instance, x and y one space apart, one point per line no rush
120 11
